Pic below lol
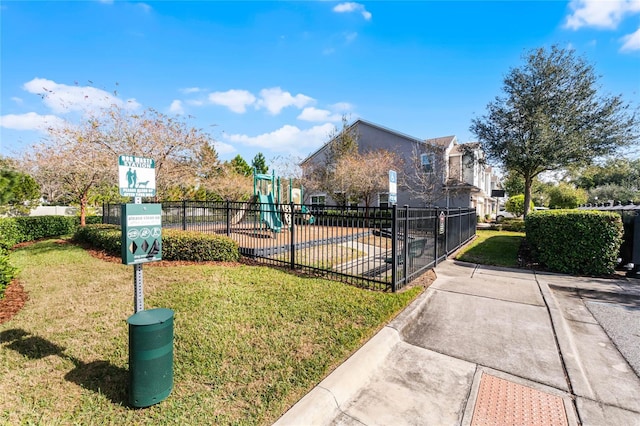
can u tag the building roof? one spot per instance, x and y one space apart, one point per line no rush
442 142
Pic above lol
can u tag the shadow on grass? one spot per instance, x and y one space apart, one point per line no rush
98 376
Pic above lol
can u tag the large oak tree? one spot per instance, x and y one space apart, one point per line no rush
551 116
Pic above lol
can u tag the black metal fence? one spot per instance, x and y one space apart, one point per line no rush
375 248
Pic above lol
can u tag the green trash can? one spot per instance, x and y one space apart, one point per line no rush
150 356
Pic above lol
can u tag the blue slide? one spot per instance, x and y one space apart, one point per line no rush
268 213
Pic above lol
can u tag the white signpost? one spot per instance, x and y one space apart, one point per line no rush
393 187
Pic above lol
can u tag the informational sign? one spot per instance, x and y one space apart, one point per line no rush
441 223
497 192
136 176
393 187
141 233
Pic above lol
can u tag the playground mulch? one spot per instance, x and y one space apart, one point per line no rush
255 237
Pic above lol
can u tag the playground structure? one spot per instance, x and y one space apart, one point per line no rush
275 202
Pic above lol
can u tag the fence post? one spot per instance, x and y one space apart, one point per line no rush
292 246
184 215
436 234
405 247
104 212
228 212
460 228
394 248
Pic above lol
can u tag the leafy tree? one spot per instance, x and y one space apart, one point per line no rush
615 171
19 192
565 196
515 205
240 166
611 192
209 166
552 117
259 163
342 143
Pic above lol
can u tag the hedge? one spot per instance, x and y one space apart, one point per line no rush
176 244
578 242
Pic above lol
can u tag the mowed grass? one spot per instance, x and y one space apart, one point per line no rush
498 248
249 341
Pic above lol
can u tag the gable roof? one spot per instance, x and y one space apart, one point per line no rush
442 142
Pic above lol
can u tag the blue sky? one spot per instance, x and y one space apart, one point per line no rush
276 77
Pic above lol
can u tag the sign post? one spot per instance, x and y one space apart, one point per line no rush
141 225
393 187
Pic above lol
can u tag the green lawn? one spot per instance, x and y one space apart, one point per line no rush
498 248
249 341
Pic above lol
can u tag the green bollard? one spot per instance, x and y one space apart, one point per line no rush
150 356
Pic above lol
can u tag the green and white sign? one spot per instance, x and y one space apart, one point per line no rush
141 233
136 176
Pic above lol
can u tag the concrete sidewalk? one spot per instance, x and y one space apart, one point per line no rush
485 345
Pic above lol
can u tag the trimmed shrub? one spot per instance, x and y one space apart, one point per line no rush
513 225
10 233
176 245
576 242
198 247
7 272
102 237
14 230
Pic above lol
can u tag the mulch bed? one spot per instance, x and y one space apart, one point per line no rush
13 300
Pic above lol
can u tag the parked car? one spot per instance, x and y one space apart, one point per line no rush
503 214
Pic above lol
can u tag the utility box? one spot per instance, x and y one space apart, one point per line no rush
150 356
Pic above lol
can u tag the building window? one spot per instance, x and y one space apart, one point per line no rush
384 201
318 200
426 161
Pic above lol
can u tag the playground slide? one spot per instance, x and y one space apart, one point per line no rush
268 212
307 215
240 214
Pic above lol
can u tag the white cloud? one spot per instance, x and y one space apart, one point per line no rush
176 107
600 14
235 100
223 148
350 7
195 102
275 100
17 100
62 98
30 121
631 42
287 139
189 90
342 106
318 115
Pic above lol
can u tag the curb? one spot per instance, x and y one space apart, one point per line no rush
323 404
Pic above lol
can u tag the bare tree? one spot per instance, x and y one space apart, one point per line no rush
426 174
76 159
363 176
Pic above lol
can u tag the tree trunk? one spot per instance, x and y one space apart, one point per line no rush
83 210
528 180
